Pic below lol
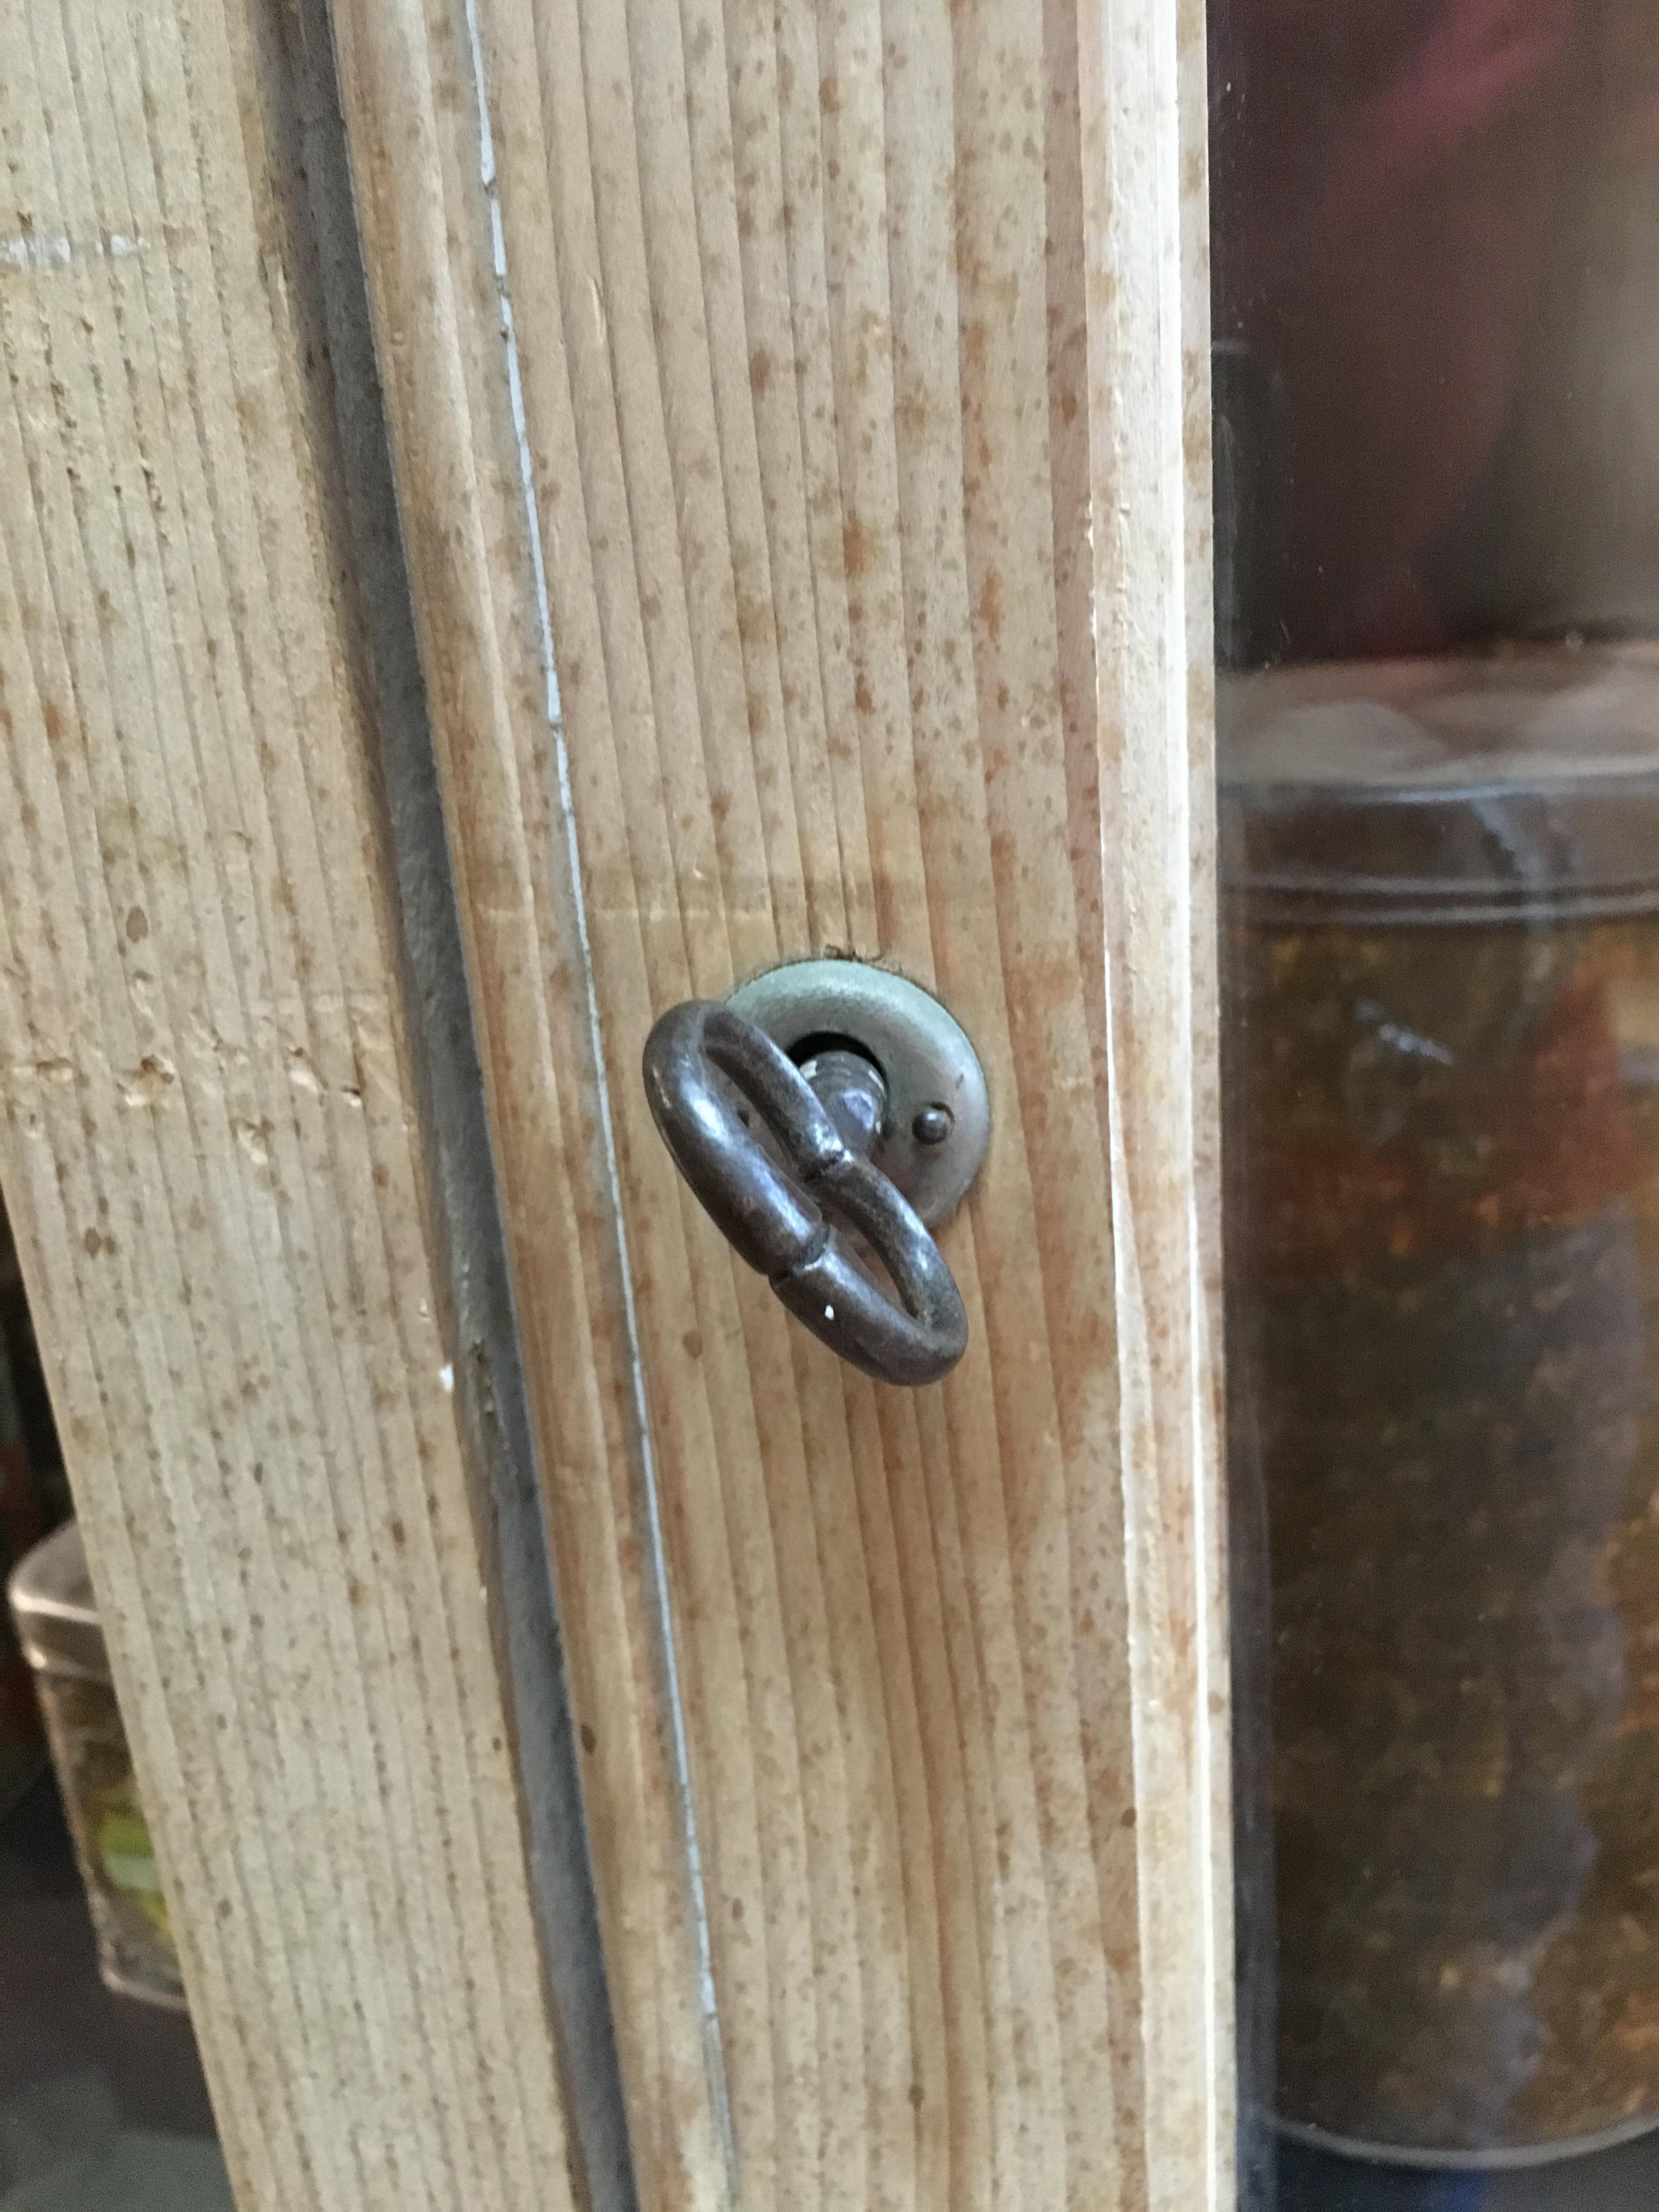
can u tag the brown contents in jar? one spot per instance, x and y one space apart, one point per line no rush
1445 1268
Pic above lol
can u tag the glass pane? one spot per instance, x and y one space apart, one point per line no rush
1437 294
102 2104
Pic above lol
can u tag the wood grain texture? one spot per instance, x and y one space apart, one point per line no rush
1146 201
744 364
210 1145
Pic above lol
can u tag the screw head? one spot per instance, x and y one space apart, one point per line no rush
933 1125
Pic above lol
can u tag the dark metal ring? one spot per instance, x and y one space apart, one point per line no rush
776 1220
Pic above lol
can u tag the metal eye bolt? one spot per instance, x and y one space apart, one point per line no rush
824 1119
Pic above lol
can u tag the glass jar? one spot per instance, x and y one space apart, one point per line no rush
1441 923
57 1624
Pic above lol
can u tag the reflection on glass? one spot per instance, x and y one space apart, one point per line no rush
1437 229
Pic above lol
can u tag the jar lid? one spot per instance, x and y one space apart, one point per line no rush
56 1615
1497 788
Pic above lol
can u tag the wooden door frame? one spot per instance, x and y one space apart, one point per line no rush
242 1152
235 1023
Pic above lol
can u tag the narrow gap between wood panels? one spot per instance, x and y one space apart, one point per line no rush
488 1376
713 2054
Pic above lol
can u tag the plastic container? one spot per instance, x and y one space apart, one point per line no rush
57 1625
1441 917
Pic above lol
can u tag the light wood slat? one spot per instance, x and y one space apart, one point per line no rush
211 1148
1146 221
742 412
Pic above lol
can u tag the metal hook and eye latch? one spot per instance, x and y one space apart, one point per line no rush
782 1207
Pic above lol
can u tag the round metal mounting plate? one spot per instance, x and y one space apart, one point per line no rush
921 1051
